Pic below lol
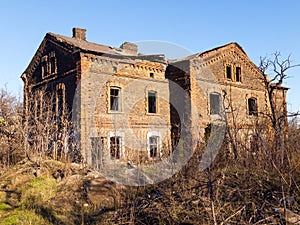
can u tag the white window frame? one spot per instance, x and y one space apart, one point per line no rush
117 134
119 99
159 144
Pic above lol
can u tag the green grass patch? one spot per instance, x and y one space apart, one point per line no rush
37 191
19 216
4 206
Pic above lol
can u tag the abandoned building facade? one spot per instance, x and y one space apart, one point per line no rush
131 106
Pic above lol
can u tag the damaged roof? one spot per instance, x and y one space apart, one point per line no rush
85 45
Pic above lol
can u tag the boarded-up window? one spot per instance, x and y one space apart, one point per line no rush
115 147
252 106
97 152
214 103
151 102
115 100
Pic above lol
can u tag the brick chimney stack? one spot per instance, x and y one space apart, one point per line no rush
79 33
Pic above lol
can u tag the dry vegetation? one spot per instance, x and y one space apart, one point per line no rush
229 192
257 185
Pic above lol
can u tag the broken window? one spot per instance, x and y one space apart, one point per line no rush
52 65
115 99
214 103
153 146
115 147
252 106
44 68
48 63
97 151
238 74
228 72
151 102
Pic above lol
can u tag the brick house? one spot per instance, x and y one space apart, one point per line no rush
130 106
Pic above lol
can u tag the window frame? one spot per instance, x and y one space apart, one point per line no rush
44 66
48 65
238 74
228 71
122 144
97 151
157 136
154 146
119 147
52 65
252 106
118 97
150 96
212 106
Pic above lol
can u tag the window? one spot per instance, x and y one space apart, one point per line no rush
115 99
97 151
152 102
48 64
228 72
115 147
52 65
214 103
59 105
252 106
152 75
153 146
238 74
44 68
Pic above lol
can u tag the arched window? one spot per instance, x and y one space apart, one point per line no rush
252 106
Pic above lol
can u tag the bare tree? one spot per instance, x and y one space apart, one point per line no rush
10 128
278 70
48 129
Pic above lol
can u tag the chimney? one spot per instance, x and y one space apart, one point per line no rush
79 33
130 48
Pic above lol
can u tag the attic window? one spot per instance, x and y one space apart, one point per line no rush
48 65
44 68
238 77
52 63
228 72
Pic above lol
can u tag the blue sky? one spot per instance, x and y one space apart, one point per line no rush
260 27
